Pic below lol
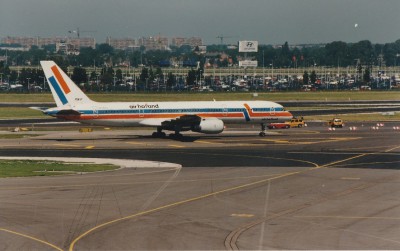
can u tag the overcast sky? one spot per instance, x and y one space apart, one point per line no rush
268 21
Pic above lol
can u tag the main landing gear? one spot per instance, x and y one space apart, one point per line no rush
159 133
176 135
262 133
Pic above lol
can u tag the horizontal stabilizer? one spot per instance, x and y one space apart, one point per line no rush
42 109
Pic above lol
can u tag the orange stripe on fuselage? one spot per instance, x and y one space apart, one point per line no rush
249 110
60 79
170 116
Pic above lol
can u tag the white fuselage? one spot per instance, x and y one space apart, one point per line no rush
153 113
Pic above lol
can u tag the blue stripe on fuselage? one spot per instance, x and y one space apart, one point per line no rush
246 115
58 90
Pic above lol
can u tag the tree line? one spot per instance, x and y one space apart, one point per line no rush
362 54
336 53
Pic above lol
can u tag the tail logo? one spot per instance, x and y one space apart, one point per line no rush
60 79
59 82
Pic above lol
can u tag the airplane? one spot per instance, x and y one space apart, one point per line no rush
207 117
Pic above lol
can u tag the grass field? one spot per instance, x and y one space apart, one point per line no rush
20 112
17 136
196 96
25 168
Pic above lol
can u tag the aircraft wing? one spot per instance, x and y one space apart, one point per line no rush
152 122
185 122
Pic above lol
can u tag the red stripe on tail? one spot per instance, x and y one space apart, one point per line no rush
60 79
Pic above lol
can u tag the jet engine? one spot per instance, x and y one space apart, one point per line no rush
209 125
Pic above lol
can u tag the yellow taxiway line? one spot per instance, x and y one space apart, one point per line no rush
32 238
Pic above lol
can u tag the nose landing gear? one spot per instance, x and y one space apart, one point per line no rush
262 133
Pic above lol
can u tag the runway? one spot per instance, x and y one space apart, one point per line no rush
307 188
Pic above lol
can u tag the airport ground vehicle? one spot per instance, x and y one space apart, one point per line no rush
336 122
278 126
294 122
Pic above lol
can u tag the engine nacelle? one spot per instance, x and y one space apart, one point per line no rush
209 125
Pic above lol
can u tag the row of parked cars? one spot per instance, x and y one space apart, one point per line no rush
5 87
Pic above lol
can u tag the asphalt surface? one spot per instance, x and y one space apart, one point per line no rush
306 188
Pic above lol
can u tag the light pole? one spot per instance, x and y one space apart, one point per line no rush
263 71
200 71
272 71
114 80
97 82
44 81
29 89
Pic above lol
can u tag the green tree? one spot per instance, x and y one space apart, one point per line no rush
306 78
359 71
367 76
144 75
191 77
79 75
313 77
118 74
336 53
171 81
159 72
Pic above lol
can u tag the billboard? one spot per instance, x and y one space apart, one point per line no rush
248 46
248 63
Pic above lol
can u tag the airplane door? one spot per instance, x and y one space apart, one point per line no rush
272 111
141 113
224 110
95 112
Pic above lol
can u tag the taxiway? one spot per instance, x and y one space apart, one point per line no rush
307 188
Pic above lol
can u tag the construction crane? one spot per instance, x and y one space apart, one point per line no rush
221 37
78 32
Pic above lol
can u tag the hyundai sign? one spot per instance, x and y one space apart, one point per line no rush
248 46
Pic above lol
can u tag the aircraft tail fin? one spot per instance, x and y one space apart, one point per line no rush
65 91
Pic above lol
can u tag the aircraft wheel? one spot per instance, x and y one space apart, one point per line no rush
176 135
262 134
158 135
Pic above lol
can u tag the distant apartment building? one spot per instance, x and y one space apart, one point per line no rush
23 41
154 43
121 43
67 48
83 42
28 42
192 41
